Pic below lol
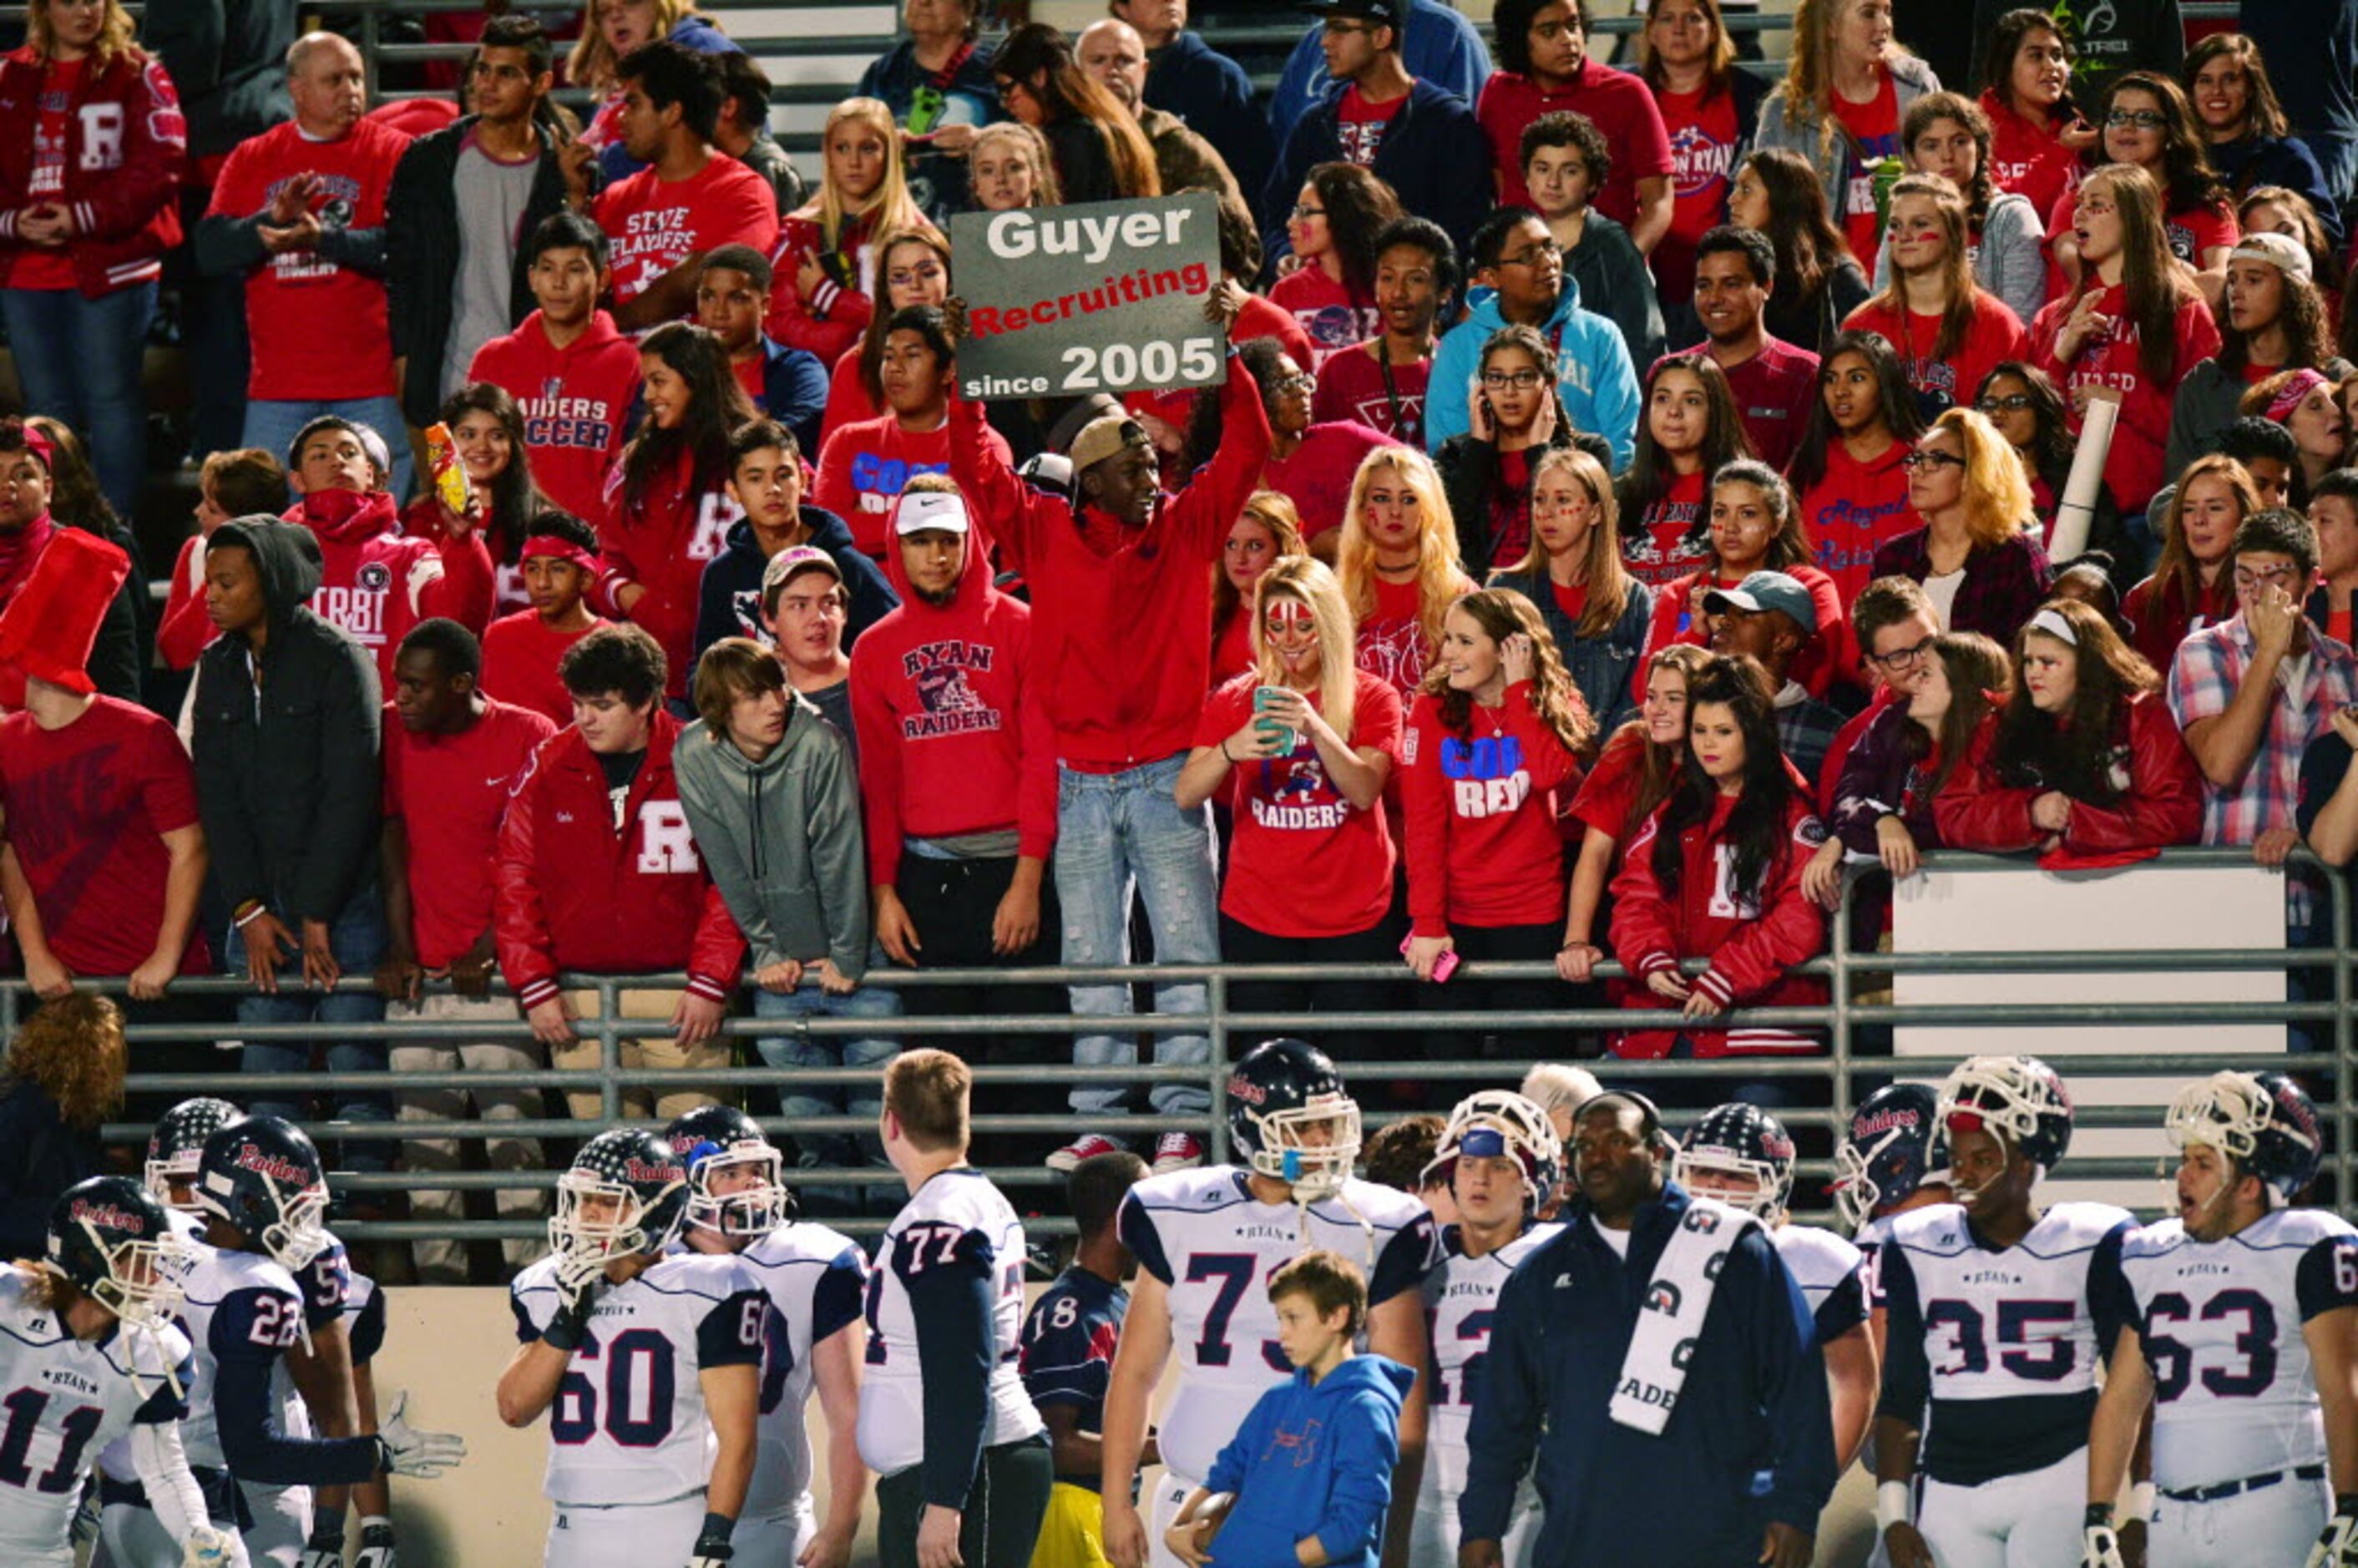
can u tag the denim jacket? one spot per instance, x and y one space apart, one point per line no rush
1600 667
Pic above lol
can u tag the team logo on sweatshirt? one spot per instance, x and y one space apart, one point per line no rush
1486 776
951 704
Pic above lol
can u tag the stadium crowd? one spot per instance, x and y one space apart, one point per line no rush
1635 501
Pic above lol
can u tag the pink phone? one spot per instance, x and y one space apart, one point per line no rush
1443 967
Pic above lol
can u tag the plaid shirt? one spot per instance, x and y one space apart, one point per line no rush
2005 583
1805 730
2202 681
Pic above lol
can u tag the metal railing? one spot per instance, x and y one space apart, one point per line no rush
1569 1034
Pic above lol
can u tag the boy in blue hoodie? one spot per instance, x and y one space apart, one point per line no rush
1308 1478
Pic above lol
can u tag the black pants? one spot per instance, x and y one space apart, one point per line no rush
1497 944
951 902
1379 943
1000 1524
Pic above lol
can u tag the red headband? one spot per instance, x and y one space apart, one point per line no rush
559 547
37 442
2302 383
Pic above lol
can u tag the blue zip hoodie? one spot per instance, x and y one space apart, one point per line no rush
1314 1459
1594 371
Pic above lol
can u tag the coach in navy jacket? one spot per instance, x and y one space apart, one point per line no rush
1750 1444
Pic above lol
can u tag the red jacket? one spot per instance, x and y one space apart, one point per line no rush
663 544
2133 470
1750 947
377 582
2162 804
575 893
832 319
1120 611
1480 811
184 629
125 147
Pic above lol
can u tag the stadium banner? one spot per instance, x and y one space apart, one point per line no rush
1100 296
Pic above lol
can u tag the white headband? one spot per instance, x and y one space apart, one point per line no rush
2052 621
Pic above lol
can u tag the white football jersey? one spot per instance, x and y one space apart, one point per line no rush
1871 1239
816 1281
1214 1245
69 1398
1460 1297
628 1425
244 1305
2004 1343
2221 1323
1831 1274
954 1227
114 1461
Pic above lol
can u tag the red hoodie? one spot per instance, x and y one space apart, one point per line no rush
2132 470
574 401
377 582
1121 610
663 544
1483 847
1751 946
952 718
576 891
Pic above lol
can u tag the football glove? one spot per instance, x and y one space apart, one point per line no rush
409 1452
713 1548
2337 1547
207 1548
570 1325
2100 1543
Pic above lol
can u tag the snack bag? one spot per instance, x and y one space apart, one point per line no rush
449 475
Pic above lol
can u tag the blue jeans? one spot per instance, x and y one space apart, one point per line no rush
782 1051
273 426
358 940
78 360
1115 831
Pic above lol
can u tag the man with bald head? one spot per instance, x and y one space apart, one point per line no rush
1111 51
300 212
1206 90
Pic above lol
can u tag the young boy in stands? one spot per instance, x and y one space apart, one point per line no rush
522 652
789 384
765 479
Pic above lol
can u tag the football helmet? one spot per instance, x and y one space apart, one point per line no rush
179 1137
626 1193
114 1239
715 1139
1501 1123
2263 1121
1738 1140
1888 1153
1278 1092
2020 1098
263 1176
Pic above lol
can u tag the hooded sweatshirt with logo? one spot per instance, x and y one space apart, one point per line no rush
377 582
950 705
1595 376
286 741
1315 1459
576 402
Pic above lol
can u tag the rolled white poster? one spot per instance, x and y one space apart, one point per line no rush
2077 510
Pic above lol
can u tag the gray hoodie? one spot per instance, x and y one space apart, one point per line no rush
783 839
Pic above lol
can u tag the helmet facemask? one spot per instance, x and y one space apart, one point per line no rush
596 1223
296 1238
175 1170
142 1284
1315 1171
748 1213
1856 1195
1703 1170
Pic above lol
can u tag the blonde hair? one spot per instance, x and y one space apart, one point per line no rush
892 207
1308 581
1808 86
72 1050
1045 190
1439 581
1607 579
1956 268
929 1091
593 63
1996 493
114 40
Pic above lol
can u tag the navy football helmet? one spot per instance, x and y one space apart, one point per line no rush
1889 1153
113 1239
2263 1121
1738 1143
263 1176
178 1139
1500 1123
714 1143
1278 1092
2021 1099
625 1193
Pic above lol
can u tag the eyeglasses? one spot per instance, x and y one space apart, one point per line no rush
1008 90
2143 119
1301 211
1900 658
1918 460
2271 578
2012 402
905 278
1520 380
1299 381
1536 255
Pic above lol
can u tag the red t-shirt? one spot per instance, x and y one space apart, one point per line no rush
1875 126
862 468
1361 124
1318 475
657 225
1351 387
1850 513
2192 232
1658 548
1618 103
450 792
1703 137
520 658
1232 649
1774 391
318 329
1391 641
40 266
1995 335
1303 862
2029 159
1571 599
87 806
1610 791
1330 317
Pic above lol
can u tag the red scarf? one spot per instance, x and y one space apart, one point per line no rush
348 516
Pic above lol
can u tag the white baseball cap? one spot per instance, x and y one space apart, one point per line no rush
921 509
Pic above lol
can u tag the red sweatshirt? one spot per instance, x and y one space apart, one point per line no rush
1483 847
185 629
950 707
576 403
1995 335
2030 160
377 582
319 329
2161 802
663 544
864 466
587 884
1121 610
1853 512
1750 945
2132 470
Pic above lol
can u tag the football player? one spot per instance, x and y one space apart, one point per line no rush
648 1365
1744 1157
1892 1161
1499 1159
2243 1342
88 1342
1999 1312
1206 1241
815 1278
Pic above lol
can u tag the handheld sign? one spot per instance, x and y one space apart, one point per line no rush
1100 296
